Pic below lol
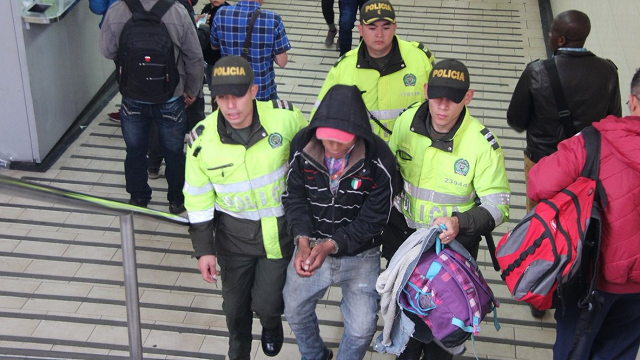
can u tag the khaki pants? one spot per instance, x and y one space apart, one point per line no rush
528 164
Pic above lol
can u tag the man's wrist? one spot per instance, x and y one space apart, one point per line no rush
296 240
333 247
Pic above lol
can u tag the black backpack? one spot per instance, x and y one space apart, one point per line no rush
146 65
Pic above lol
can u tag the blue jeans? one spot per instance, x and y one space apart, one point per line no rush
356 276
348 11
615 333
171 122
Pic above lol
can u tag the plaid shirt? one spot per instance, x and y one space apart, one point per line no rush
268 39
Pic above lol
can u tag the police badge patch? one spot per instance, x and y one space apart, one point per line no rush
275 140
461 167
409 80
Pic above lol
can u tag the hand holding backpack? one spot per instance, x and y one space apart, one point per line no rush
447 291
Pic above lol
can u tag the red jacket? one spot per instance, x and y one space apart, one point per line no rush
620 175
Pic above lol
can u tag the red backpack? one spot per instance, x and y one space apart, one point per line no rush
552 252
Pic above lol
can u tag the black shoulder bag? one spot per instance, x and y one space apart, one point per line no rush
561 100
247 39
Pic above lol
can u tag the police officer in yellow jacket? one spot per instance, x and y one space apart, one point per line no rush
236 169
389 72
449 161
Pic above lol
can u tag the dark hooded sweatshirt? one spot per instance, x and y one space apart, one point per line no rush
358 210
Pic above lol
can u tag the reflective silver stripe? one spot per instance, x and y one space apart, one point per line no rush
391 114
436 197
197 190
491 202
495 212
415 225
498 198
254 215
256 183
200 216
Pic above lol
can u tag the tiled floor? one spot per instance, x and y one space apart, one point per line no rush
61 280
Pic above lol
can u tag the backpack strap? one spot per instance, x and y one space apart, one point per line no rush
161 7
592 164
135 6
561 100
591 302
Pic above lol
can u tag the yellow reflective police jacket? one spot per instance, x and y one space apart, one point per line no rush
444 176
388 92
244 182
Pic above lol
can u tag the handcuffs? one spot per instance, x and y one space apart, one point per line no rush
313 242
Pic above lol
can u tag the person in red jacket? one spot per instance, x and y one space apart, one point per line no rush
615 333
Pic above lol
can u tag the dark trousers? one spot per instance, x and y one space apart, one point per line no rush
250 284
348 11
327 11
194 113
615 333
170 122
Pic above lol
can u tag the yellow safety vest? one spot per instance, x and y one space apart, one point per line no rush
242 182
388 95
439 182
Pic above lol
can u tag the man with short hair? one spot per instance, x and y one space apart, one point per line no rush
613 332
590 86
389 72
236 168
338 198
269 42
169 117
454 175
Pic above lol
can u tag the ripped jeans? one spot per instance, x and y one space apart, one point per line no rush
356 275
171 122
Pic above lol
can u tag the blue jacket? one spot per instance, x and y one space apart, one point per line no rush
100 7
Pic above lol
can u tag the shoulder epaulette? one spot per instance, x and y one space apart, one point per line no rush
417 103
281 104
339 59
425 49
490 138
194 133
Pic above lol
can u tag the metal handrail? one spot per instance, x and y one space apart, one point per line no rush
31 190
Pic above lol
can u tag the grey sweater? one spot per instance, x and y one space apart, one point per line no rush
182 31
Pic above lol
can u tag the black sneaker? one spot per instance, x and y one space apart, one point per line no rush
327 354
176 208
154 173
272 340
331 35
139 202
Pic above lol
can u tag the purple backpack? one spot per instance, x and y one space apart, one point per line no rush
447 291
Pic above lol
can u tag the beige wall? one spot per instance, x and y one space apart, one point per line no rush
615 34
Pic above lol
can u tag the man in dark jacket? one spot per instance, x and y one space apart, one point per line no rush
338 199
590 85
